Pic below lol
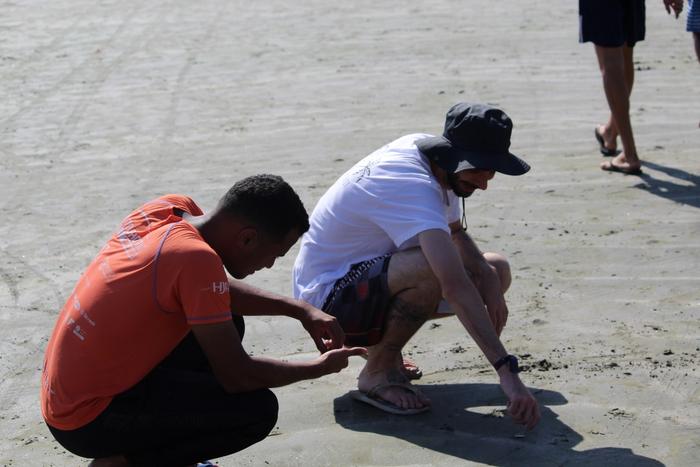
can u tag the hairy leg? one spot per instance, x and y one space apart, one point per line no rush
500 264
415 295
502 268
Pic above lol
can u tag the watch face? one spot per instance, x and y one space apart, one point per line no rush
513 364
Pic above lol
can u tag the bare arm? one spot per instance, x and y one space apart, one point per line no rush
484 277
460 292
250 301
444 259
471 255
236 371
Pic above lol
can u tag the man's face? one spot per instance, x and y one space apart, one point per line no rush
464 183
261 252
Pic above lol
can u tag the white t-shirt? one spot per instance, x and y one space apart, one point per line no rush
379 206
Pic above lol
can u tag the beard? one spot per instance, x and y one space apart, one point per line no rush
454 185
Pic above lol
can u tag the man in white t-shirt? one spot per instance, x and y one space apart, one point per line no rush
386 251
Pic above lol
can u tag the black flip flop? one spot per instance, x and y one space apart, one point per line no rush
603 150
610 167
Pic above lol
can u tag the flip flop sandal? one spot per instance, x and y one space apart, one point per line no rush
608 166
603 150
372 398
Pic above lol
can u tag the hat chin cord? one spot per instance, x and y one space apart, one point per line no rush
452 180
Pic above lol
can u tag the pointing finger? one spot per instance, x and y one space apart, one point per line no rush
356 351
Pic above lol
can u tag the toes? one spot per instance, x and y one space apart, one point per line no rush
404 398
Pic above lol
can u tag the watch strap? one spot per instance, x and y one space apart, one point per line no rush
512 362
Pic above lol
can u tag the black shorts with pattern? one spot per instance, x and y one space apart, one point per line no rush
360 300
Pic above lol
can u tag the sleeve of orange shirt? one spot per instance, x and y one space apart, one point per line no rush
203 289
191 277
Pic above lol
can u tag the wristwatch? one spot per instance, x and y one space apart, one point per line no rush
512 362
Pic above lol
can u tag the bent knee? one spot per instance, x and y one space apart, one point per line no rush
266 413
502 267
409 273
269 409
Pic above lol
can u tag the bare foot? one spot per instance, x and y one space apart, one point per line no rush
408 367
398 396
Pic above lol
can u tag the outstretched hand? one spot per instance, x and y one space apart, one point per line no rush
336 359
323 329
676 5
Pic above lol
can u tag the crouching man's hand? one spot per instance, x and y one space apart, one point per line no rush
522 406
336 359
323 329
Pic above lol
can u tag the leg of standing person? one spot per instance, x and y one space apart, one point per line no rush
609 130
617 69
614 27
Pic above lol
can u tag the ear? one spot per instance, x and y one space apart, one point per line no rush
248 238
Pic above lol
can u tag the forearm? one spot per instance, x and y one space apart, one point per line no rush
263 372
237 371
470 309
250 301
459 289
470 254
482 274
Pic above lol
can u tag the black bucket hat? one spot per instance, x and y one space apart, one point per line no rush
476 136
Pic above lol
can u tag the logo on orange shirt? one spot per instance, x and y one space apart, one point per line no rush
219 287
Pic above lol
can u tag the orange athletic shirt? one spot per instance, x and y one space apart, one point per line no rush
135 302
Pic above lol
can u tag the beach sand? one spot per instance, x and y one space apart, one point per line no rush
105 105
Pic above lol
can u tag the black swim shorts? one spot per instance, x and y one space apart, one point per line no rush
611 23
360 300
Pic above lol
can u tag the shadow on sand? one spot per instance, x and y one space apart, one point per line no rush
683 193
484 436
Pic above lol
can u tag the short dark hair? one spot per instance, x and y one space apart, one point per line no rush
268 202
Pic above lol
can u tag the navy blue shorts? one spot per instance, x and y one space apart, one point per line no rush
611 23
360 301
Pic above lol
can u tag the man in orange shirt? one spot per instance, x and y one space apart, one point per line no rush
145 364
